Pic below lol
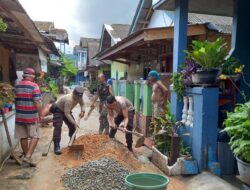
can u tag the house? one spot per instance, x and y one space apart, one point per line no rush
87 67
80 64
22 40
21 46
204 130
111 35
149 46
59 36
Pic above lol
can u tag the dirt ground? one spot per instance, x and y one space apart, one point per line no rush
47 174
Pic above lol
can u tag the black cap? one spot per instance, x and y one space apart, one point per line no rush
78 91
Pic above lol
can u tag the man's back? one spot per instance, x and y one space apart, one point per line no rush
27 92
60 103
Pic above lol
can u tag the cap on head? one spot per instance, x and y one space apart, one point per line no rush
78 91
29 72
154 74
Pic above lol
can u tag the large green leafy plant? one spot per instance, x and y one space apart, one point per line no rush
237 125
3 25
167 123
47 84
178 84
208 54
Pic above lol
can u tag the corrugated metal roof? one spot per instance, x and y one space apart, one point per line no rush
221 24
93 48
44 26
84 41
120 30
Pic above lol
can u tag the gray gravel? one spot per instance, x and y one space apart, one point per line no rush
103 174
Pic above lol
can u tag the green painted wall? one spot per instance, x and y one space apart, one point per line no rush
147 103
137 86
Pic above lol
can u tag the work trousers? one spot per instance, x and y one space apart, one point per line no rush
128 136
104 124
58 118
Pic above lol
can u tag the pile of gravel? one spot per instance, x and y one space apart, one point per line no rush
103 174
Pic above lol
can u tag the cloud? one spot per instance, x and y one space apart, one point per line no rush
81 18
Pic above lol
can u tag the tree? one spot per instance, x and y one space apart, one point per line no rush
66 70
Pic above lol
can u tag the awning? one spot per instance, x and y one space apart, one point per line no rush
92 68
210 7
146 42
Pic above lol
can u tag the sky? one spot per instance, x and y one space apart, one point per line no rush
81 18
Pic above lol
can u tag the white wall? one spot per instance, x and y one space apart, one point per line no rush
155 1
161 18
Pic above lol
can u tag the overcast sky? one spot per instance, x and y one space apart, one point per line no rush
81 18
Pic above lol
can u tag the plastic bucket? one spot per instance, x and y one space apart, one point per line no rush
144 181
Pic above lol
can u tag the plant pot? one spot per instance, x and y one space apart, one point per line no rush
244 169
205 76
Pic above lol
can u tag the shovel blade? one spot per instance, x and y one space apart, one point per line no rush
44 154
77 147
140 142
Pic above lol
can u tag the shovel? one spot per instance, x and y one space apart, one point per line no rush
74 135
90 111
140 140
46 153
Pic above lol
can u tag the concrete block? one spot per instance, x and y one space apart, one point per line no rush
181 167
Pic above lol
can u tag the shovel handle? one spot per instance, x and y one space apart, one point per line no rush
89 112
131 132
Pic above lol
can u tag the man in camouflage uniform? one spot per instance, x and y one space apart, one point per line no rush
103 91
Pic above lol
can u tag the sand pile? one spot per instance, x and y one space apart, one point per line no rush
97 147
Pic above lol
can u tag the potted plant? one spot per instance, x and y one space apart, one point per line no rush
181 80
210 56
237 126
7 95
231 69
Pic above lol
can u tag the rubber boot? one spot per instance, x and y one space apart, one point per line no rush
130 148
57 149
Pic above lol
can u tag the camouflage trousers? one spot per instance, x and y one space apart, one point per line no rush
104 124
158 109
128 136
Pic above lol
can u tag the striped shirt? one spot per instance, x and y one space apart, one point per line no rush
26 93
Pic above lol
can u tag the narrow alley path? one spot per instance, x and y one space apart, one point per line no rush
47 175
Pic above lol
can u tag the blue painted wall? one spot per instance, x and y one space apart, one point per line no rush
203 134
241 39
180 44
